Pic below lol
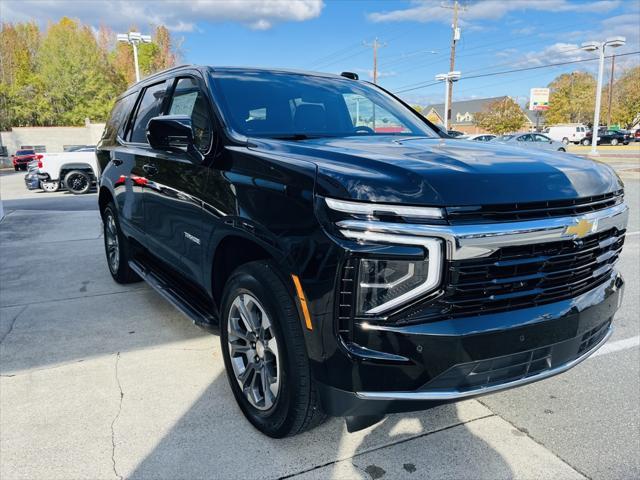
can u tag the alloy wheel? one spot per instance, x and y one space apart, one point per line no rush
78 183
253 350
112 243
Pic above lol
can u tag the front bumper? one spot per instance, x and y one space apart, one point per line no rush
389 364
465 357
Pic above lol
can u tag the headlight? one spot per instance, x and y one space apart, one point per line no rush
382 284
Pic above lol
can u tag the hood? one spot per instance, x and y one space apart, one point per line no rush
444 172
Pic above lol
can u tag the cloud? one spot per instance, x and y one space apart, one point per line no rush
431 10
381 73
177 15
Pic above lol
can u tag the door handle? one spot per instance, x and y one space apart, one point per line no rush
150 169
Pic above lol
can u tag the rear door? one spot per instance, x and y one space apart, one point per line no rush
173 195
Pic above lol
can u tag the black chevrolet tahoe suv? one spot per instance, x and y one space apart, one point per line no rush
355 261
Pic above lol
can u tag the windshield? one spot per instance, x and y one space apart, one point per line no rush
281 105
25 152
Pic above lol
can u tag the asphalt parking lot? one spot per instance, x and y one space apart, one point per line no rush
100 380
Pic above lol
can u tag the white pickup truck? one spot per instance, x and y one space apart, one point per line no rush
77 170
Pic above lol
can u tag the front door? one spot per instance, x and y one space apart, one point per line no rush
176 183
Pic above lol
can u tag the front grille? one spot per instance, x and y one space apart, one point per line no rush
532 210
525 276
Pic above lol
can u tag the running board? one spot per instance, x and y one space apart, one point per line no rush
199 316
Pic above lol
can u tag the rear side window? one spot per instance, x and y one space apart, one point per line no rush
150 106
119 115
189 100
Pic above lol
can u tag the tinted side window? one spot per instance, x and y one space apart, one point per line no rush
189 100
118 117
149 107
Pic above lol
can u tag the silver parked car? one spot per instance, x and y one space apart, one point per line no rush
531 140
479 137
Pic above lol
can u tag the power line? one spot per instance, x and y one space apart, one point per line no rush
504 72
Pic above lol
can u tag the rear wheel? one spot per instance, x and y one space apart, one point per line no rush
77 182
562 149
50 186
117 248
565 140
16 168
614 141
586 142
264 353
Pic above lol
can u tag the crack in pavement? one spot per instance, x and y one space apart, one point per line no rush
386 445
13 322
57 300
115 419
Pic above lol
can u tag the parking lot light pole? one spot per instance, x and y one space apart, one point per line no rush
448 79
134 39
613 42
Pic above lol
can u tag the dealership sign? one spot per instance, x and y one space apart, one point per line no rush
539 99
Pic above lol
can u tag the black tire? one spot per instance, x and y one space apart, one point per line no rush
77 182
565 140
561 149
16 168
614 141
296 407
586 142
120 270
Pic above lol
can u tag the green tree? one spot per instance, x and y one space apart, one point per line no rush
571 99
501 116
69 73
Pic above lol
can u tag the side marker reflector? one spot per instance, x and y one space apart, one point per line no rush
303 302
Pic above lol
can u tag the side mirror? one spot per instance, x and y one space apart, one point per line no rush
173 133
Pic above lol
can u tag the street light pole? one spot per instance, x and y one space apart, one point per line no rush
613 42
448 79
134 39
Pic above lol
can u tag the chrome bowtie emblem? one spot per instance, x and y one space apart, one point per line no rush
581 229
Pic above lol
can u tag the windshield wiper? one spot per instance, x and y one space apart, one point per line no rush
297 136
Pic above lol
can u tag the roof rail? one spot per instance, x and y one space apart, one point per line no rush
166 70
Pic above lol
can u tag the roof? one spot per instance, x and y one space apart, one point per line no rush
462 112
210 68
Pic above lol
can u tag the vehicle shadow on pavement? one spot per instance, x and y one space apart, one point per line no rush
213 440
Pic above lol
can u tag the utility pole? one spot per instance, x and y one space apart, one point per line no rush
613 66
375 45
455 36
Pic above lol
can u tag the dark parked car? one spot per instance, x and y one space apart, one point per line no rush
22 158
608 137
31 180
455 133
352 272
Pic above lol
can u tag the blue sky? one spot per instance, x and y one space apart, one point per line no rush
328 35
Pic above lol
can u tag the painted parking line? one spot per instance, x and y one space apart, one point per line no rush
618 346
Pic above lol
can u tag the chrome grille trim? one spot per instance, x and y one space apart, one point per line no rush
482 240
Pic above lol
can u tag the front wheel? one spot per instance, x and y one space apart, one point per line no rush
77 182
561 149
586 142
264 353
614 141
565 140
